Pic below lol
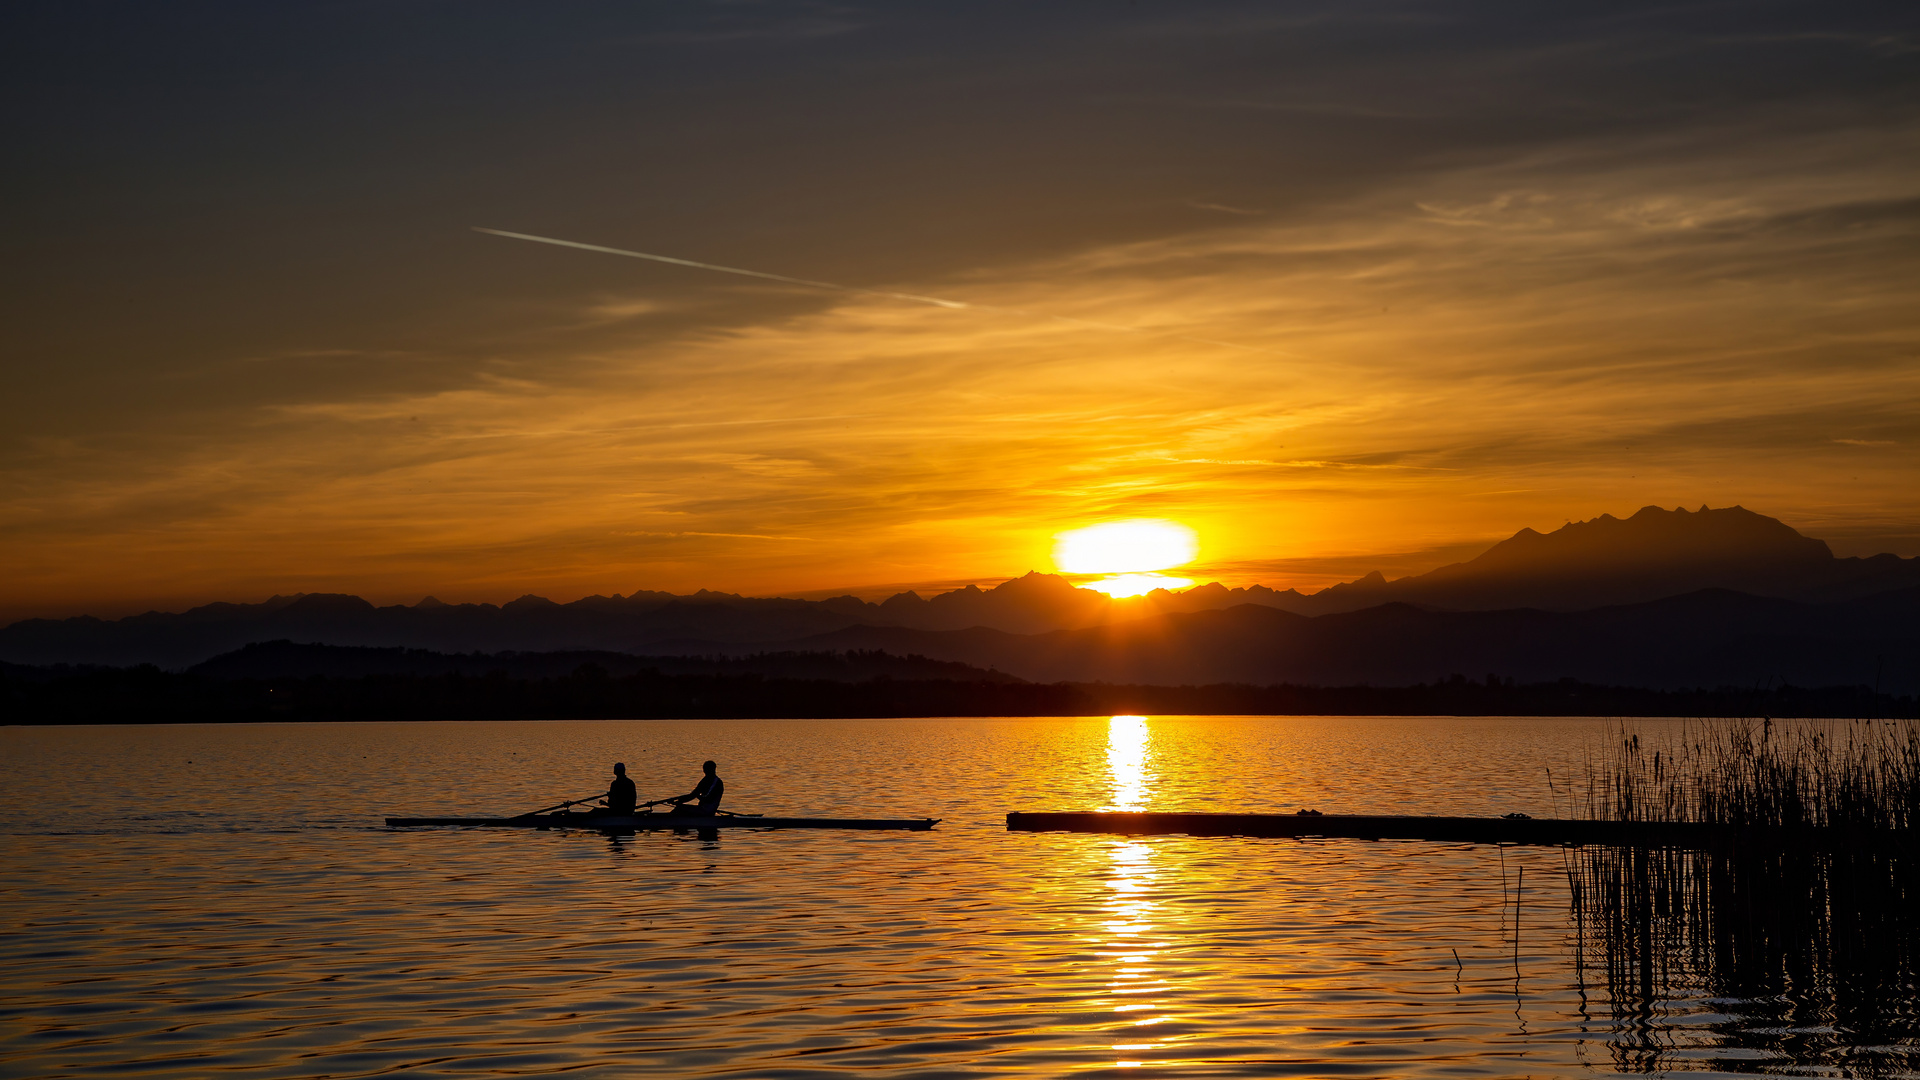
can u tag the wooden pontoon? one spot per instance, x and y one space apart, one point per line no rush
1556 832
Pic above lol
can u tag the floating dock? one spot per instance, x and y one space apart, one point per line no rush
1550 832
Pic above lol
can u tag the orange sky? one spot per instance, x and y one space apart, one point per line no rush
1420 354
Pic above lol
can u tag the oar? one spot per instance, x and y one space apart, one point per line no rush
561 806
645 805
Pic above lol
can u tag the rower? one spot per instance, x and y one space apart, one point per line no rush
620 793
707 791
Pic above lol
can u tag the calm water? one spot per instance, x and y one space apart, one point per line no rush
198 900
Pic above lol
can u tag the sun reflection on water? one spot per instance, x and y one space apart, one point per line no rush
1128 746
1133 939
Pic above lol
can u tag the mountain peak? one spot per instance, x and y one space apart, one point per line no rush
529 602
1035 583
1608 560
1652 537
327 604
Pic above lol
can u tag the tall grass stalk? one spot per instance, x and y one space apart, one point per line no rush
1851 774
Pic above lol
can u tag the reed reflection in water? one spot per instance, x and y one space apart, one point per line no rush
1765 953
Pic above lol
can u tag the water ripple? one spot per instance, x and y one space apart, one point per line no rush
241 914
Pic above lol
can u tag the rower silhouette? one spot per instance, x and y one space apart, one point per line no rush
705 795
621 796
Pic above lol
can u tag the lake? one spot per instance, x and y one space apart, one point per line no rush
202 899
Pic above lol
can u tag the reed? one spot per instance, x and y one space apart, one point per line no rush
1851 774
1807 951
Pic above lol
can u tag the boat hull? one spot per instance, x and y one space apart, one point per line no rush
650 822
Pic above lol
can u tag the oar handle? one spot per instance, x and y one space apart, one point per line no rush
561 806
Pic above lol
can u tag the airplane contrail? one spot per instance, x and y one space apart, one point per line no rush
727 269
836 287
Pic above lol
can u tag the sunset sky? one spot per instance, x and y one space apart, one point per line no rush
1371 285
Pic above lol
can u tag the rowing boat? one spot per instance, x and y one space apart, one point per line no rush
635 822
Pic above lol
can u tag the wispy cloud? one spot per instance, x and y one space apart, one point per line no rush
724 535
1447 274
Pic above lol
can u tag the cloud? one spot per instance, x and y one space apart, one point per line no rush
1505 271
728 536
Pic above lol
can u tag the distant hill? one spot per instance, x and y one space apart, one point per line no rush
1703 639
1713 638
147 695
286 659
1606 562
531 623
1040 602
626 624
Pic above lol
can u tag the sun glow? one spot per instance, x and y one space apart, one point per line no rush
1121 586
1128 551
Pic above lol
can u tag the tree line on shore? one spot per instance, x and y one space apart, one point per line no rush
146 694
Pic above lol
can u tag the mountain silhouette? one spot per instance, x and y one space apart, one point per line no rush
289 660
1039 602
1708 639
530 623
626 624
1607 562
1654 553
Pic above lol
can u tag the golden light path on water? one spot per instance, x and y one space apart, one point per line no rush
1133 936
1127 744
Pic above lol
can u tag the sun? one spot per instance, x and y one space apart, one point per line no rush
1128 552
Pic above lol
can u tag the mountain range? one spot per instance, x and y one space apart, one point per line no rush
1662 598
1653 554
292 660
